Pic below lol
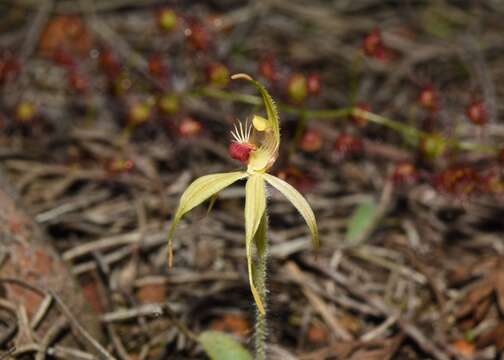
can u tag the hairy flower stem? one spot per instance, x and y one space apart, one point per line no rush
260 282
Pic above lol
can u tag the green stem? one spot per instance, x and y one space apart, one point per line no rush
405 129
260 283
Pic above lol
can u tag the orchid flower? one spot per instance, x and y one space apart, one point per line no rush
256 145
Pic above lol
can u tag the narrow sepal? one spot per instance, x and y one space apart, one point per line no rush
299 203
255 206
200 190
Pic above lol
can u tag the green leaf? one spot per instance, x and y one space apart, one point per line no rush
255 206
299 203
269 104
220 346
196 193
361 219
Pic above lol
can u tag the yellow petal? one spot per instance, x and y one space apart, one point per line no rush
196 193
299 203
255 205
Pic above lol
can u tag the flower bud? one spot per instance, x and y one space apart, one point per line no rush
404 173
109 63
433 145
168 103
189 127
296 88
197 35
268 68
347 144
77 81
217 74
25 111
477 113
372 43
139 113
167 19
310 141
157 68
313 84
428 98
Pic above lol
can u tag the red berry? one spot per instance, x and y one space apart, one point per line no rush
372 44
217 74
77 81
360 120
268 68
240 151
298 178
110 63
310 141
158 68
405 173
9 67
313 84
347 144
477 113
189 127
297 88
198 35
428 98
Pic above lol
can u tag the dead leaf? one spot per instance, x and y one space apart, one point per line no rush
463 348
152 293
234 323
317 333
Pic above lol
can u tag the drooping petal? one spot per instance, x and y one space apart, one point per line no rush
200 190
255 205
299 203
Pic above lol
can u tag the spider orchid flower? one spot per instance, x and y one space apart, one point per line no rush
256 145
